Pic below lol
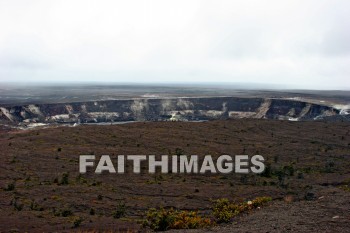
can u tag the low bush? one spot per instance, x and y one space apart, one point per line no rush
76 221
224 210
120 210
64 180
66 212
10 187
17 206
165 219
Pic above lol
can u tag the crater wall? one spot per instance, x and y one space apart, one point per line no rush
176 109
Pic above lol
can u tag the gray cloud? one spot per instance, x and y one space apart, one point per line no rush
293 43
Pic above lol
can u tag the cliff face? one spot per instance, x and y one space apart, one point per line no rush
165 109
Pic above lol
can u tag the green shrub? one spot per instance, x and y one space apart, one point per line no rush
289 170
17 206
77 221
179 151
224 210
162 219
267 172
329 167
66 212
300 175
345 188
10 187
64 180
259 201
92 211
35 206
120 210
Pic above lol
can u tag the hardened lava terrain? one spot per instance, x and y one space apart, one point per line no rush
32 106
307 175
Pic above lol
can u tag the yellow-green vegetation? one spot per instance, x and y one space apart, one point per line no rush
76 221
120 210
345 188
162 219
224 210
345 185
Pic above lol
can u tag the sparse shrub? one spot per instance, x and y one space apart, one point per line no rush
96 183
162 219
267 172
345 188
17 206
300 175
244 179
59 149
309 196
329 166
179 151
259 201
66 213
328 148
289 170
92 211
64 180
10 187
35 206
281 177
13 160
77 221
81 179
307 170
224 210
120 210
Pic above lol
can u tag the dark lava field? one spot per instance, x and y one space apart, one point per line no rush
307 175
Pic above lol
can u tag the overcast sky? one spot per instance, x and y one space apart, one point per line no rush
303 44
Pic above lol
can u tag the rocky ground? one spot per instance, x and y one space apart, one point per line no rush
308 178
328 212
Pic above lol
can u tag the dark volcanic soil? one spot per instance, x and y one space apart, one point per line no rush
312 196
